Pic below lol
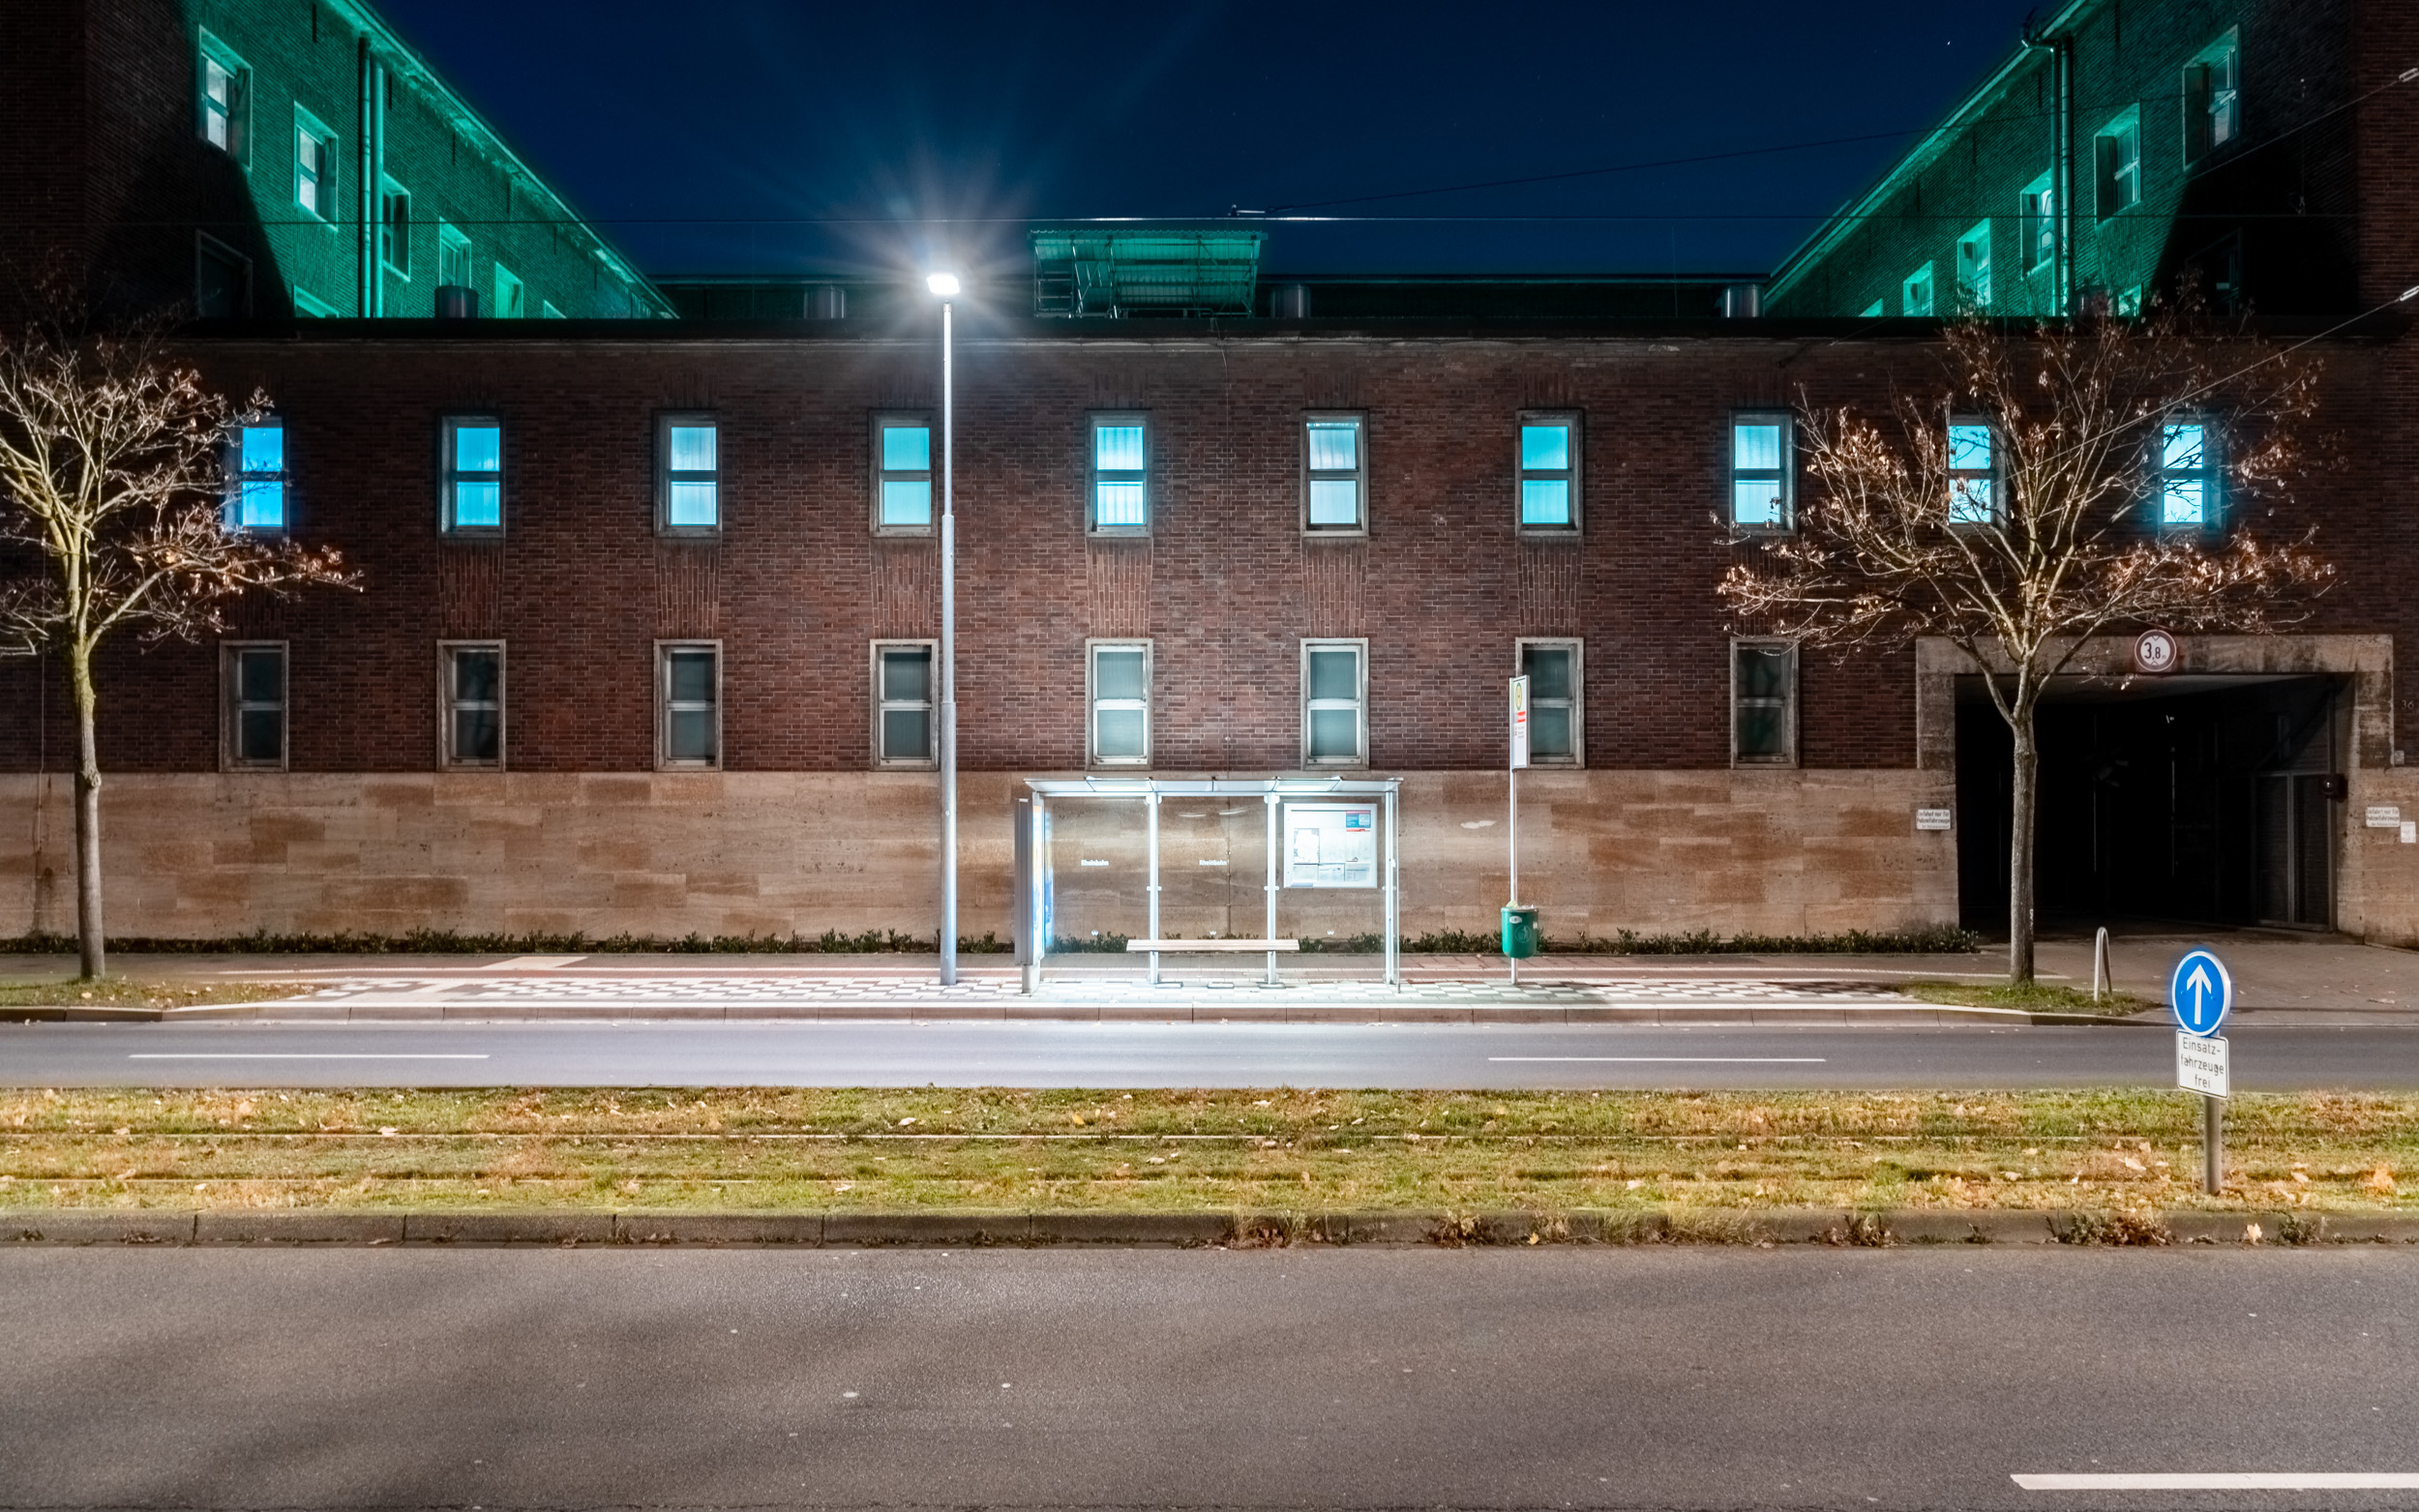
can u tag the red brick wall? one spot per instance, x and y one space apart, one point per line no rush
1227 587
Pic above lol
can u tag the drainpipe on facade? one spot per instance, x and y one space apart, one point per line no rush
370 132
2061 50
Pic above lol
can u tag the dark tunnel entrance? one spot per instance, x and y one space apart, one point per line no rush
2197 799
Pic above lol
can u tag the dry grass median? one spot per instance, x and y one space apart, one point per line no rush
1297 1152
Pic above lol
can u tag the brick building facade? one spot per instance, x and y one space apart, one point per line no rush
637 646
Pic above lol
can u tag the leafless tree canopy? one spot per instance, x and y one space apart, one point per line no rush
112 468
2071 543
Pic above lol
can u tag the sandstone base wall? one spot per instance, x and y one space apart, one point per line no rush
753 853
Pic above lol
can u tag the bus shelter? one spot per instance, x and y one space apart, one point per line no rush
1324 846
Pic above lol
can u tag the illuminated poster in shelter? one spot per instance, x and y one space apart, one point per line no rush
1330 844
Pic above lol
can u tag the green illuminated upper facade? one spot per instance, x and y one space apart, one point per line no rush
2125 146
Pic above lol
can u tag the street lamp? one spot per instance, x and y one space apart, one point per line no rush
945 285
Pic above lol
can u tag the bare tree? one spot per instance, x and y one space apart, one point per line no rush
113 471
2098 475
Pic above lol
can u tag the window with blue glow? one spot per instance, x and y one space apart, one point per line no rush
2213 101
259 502
1760 472
2037 220
2117 156
1974 266
473 474
225 97
1549 473
1973 479
1120 497
1333 473
690 486
1916 293
314 165
2188 493
903 474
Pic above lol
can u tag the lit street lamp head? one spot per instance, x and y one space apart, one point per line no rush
944 284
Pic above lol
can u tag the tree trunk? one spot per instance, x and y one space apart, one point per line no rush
2024 793
87 816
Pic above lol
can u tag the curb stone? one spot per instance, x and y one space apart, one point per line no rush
274 1228
573 1227
1904 1227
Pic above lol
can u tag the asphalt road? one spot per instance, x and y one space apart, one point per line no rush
1206 1378
1148 1054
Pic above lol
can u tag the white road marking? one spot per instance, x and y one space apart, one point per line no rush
2256 1480
538 962
273 1055
1681 1060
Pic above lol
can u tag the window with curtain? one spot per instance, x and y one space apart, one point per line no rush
1335 729
691 485
1121 703
1759 471
1120 497
1333 473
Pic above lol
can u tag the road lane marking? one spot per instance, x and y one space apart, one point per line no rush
2257 1480
1679 1060
276 1054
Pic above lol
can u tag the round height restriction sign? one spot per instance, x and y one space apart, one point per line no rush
2199 992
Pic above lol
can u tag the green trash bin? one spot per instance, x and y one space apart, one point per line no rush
1520 932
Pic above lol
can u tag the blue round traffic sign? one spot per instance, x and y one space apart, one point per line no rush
2200 992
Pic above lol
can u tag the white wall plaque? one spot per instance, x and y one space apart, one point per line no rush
2384 816
1931 819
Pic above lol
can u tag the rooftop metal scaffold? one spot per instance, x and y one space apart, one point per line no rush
1035 892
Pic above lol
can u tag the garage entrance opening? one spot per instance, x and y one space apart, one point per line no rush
2209 799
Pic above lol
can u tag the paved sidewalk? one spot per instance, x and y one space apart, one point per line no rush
2280 977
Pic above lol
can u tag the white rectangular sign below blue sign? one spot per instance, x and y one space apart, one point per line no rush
2200 1064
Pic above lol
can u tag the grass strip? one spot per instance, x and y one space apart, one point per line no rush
2026 997
770 1149
118 992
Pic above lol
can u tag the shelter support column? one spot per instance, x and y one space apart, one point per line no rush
1269 931
1150 804
1393 894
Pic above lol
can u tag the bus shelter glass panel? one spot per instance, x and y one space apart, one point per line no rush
1098 861
1331 872
1213 868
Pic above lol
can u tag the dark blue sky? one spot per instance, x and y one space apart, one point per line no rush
756 135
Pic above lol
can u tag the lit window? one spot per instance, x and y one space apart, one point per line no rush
1759 471
1335 703
1120 497
256 705
903 474
690 679
548 312
474 703
1876 309
2117 153
1973 480
1916 293
225 90
2129 302
905 733
508 295
1121 703
305 303
2037 215
314 167
1549 472
260 493
453 257
1332 472
2188 476
689 488
2213 101
395 227
473 474
1974 267
1556 726
1763 702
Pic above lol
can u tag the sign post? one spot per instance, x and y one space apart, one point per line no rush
1512 779
2201 993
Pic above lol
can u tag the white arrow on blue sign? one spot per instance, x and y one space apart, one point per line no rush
2200 993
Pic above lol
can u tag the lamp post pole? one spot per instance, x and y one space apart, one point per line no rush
946 285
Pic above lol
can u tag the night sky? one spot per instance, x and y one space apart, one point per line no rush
760 137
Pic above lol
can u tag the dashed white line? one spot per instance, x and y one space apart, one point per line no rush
2255 1480
274 1055
1677 1060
